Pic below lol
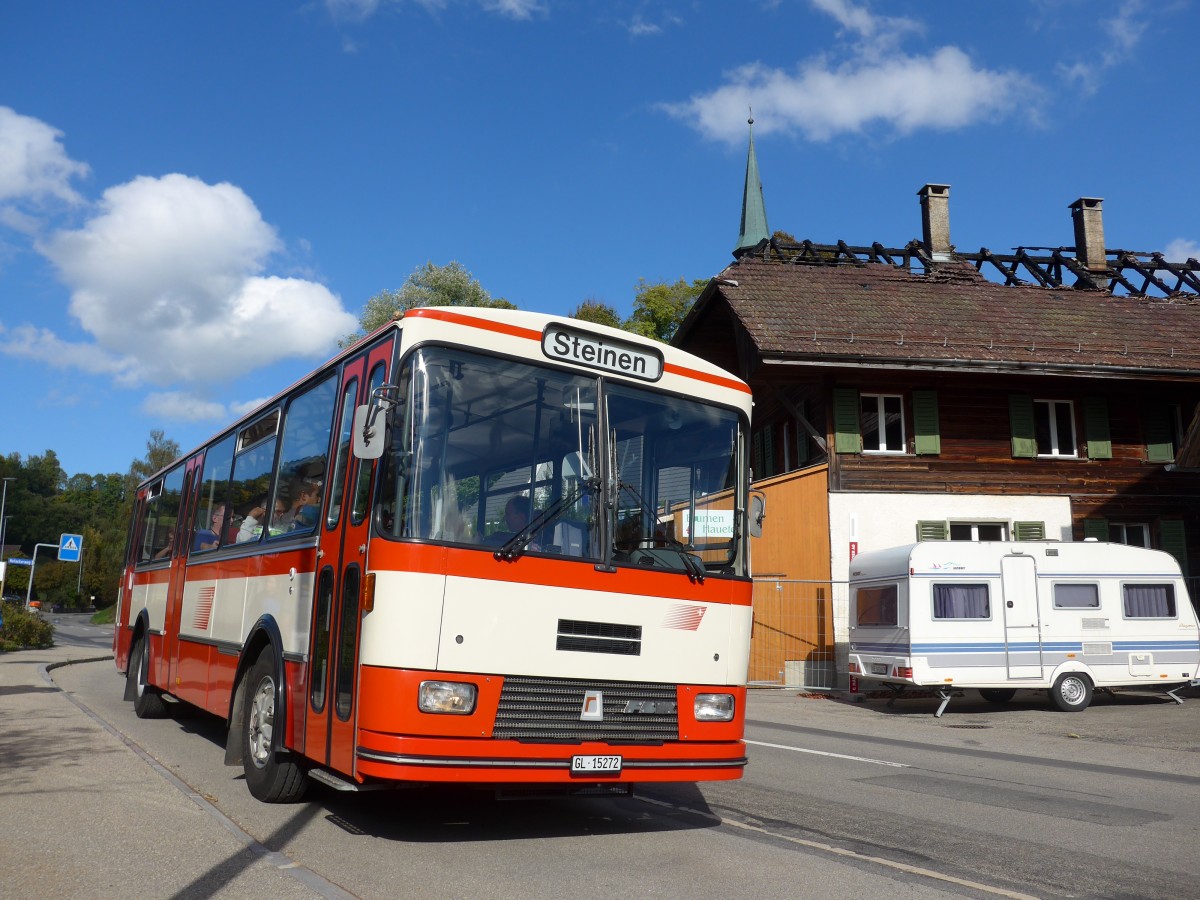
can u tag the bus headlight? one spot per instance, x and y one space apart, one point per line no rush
453 697
714 707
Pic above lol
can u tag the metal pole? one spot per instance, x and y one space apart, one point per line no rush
33 570
3 520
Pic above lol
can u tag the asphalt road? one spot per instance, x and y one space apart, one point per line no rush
841 799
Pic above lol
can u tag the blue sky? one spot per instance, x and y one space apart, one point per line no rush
196 199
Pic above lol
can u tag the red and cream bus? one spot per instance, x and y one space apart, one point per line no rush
479 546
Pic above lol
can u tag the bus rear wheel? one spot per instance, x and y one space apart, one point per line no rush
147 700
272 774
1072 692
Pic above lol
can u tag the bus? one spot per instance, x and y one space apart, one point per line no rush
485 547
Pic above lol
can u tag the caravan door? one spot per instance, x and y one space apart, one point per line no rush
1022 622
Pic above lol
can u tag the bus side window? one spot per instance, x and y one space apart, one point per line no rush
212 502
303 454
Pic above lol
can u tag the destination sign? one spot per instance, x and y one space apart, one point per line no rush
600 352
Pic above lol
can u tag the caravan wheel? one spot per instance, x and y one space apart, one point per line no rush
1072 692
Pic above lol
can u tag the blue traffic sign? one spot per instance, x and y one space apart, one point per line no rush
70 546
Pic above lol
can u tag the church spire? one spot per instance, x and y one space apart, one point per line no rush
754 211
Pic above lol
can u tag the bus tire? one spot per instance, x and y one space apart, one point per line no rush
147 699
272 773
1072 692
997 695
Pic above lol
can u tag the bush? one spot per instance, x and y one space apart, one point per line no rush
23 630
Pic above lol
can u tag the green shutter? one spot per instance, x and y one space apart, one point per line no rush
1029 531
801 444
847 436
1095 427
1020 418
756 453
769 451
1173 540
1095 528
1157 424
930 530
927 434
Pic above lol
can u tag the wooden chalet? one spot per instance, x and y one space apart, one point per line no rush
920 393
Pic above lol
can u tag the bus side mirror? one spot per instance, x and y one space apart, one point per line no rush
368 432
756 514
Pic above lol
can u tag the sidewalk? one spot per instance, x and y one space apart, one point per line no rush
83 813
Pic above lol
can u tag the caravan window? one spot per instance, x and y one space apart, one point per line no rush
1076 596
961 601
1149 601
877 605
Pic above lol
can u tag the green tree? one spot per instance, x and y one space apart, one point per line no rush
659 308
428 285
596 312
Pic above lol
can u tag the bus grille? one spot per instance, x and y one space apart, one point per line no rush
547 710
599 637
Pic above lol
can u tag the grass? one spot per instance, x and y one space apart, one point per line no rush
105 616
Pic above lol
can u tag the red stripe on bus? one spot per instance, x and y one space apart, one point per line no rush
472 322
531 334
718 380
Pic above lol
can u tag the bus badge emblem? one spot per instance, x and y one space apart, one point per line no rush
593 707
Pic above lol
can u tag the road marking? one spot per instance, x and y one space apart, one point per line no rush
842 851
866 759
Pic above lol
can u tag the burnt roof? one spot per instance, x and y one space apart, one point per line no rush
852 311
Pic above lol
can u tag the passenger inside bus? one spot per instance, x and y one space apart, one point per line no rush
305 507
209 538
252 526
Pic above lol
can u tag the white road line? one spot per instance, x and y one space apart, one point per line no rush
866 759
842 851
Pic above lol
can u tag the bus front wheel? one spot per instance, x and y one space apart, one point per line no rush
147 700
272 774
1072 692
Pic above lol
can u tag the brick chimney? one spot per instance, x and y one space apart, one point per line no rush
1086 213
935 221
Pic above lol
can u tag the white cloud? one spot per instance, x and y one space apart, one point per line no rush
514 9
942 91
1181 250
166 278
34 166
1122 33
181 406
876 85
41 345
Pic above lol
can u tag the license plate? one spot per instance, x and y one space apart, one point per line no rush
595 765
878 668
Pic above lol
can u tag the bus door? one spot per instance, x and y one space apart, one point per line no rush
337 601
181 483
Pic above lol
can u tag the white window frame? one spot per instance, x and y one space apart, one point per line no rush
1045 410
974 526
880 413
1124 529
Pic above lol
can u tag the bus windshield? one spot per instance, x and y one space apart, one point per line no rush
519 458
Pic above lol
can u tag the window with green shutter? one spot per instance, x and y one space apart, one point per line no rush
1095 426
927 436
768 436
1029 531
1156 422
1173 540
932 530
1095 528
1020 418
847 437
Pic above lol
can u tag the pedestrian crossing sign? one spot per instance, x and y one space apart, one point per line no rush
70 547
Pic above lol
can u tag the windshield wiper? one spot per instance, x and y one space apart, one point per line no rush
516 544
691 565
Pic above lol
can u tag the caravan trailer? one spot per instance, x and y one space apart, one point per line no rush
1065 617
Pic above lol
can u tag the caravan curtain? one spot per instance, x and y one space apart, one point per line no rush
1149 601
961 601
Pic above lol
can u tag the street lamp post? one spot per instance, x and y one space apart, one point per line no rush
4 519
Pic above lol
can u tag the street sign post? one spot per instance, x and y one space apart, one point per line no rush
70 546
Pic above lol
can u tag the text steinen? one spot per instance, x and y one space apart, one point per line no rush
595 353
